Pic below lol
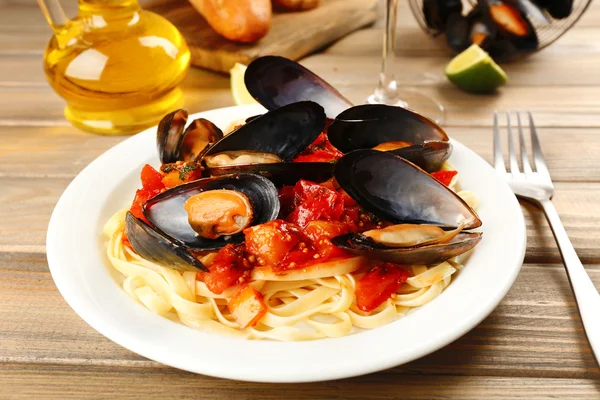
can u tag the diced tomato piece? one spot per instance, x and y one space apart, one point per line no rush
328 250
228 269
151 178
444 177
271 242
180 172
317 202
247 307
378 285
328 229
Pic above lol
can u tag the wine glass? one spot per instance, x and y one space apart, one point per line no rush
388 92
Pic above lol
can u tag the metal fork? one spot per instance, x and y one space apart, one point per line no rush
536 187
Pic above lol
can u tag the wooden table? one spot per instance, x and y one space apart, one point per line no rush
531 347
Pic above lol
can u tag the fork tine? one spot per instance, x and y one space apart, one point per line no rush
524 155
512 155
538 156
498 159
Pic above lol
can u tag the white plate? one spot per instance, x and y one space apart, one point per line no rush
77 260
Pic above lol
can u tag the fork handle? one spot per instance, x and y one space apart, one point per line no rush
586 295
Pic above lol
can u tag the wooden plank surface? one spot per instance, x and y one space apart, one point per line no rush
531 347
37 381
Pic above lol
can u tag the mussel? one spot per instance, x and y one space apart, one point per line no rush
276 82
514 25
395 129
157 247
398 191
458 30
428 254
178 144
437 12
209 213
267 144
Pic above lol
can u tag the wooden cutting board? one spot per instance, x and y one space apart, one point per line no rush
292 35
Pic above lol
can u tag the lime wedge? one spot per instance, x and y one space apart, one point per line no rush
474 70
238 87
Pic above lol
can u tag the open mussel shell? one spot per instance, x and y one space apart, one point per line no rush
513 25
166 211
281 173
276 82
421 255
197 138
158 248
400 192
366 126
285 132
170 135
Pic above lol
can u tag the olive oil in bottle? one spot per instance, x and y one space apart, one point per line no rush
116 65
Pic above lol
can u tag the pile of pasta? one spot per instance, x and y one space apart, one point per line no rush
303 305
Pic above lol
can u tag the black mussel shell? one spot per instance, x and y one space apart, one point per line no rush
158 248
458 32
285 132
199 131
366 126
169 135
252 117
419 255
166 211
429 155
276 82
281 173
437 12
398 191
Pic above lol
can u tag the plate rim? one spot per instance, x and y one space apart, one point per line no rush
61 279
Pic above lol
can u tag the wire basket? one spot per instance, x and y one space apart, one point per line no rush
507 29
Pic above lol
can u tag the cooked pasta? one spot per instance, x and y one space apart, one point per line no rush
311 303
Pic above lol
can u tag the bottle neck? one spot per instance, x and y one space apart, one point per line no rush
108 8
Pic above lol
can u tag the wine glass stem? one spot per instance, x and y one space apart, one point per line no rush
388 87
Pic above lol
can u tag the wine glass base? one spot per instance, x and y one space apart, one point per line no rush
413 101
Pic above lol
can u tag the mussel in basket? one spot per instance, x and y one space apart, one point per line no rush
514 25
458 30
395 129
437 12
276 82
209 213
